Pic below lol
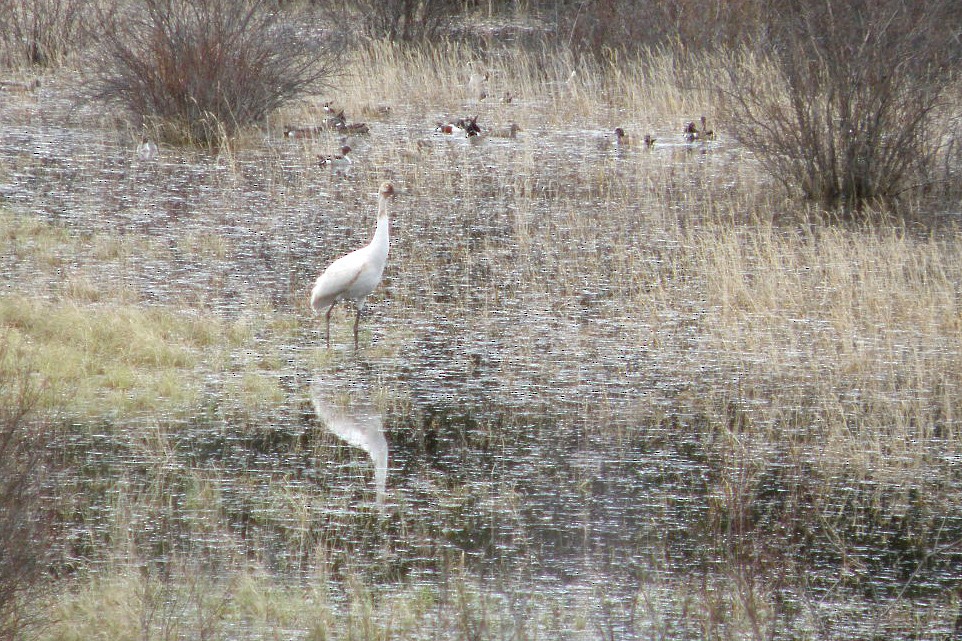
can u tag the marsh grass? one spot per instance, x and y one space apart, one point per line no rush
115 352
130 359
544 297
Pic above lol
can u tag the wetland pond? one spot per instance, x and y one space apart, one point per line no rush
512 417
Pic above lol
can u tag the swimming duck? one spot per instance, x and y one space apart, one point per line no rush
706 133
301 132
511 131
338 162
478 85
462 126
448 128
20 87
146 150
692 132
470 126
352 128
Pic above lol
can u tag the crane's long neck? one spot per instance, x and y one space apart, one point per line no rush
381 241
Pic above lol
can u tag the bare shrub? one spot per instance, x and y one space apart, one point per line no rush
601 26
200 70
26 532
394 20
844 107
42 32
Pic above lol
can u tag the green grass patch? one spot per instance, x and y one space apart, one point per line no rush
254 390
118 358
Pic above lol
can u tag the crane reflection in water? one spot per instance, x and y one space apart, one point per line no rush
358 423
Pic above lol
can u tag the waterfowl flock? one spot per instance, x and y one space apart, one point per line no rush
621 139
335 122
354 276
467 127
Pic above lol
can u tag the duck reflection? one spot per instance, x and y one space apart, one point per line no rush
360 425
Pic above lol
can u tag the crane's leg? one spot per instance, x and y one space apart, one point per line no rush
357 319
327 324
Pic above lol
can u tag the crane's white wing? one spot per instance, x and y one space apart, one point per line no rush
337 280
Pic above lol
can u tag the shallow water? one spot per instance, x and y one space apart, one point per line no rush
539 439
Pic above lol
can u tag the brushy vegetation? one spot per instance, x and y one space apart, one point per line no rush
603 27
44 32
27 516
394 20
651 376
848 107
199 71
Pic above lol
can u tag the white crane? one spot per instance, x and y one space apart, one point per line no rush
354 276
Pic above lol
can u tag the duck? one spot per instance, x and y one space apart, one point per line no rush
146 150
353 128
302 132
621 138
338 162
449 128
511 131
462 126
470 126
335 117
706 133
692 133
478 85
20 87
649 141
